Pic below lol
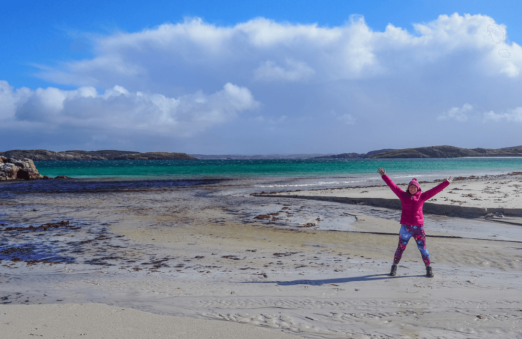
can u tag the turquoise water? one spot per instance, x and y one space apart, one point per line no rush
173 169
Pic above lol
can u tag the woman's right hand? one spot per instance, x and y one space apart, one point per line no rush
381 171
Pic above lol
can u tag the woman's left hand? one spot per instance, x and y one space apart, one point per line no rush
449 179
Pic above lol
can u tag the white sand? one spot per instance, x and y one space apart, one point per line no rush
102 321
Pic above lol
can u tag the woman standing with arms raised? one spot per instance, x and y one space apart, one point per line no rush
412 219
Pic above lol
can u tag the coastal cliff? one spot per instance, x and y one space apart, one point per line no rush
45 155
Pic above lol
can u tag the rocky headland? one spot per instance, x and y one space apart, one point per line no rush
432 152
45 155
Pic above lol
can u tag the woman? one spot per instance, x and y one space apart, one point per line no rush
412 220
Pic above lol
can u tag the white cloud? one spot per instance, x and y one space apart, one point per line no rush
457 113
383 78
504 53
9 99
496 33
294 71
119 109
513 115
273 51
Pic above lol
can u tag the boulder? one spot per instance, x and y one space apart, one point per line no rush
26 164
26 169
10 170
23 169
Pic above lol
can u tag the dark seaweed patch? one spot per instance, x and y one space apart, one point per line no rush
34 252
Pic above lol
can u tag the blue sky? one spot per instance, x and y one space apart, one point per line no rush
259 77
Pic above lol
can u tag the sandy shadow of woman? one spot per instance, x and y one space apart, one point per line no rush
319 282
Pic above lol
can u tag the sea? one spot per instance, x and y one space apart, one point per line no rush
279 173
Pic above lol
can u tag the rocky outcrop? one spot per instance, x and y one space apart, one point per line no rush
45 155
14 169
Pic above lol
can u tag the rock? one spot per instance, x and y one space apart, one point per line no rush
27 164
14 169
10 170
22 169
62 177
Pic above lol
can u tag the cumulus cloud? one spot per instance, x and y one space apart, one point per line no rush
266 50
382 78
118 108
496 33
513 115
294 71
457 113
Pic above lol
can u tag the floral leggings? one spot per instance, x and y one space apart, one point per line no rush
418 234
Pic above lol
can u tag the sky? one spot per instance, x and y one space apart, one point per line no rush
263 77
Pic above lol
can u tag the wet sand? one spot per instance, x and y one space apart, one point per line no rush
313 269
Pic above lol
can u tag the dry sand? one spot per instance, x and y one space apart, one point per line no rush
291 265
102 321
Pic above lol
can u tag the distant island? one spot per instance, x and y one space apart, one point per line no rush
431 152
45 155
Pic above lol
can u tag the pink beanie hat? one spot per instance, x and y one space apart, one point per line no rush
414 182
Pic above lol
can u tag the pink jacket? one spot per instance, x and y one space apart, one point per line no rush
412 204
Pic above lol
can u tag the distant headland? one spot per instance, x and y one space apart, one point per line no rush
431 152
45 155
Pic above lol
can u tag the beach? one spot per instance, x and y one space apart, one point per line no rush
214 170
282 263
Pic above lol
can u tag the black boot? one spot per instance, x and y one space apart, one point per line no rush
429 272
393 271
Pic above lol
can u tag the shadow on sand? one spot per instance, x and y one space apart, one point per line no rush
363 278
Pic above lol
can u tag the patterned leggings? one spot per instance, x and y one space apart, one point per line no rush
420 238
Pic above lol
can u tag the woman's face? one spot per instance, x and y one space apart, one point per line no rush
413 189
